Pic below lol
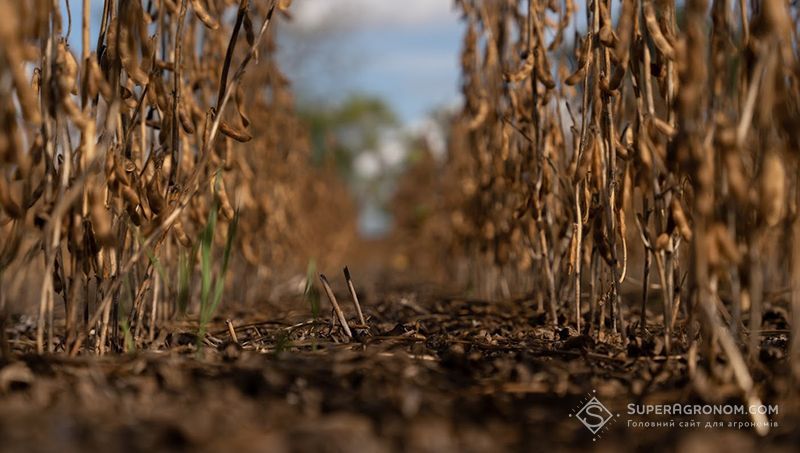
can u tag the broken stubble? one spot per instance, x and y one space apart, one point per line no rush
335 304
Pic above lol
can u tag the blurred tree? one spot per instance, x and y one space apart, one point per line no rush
339 133
349 133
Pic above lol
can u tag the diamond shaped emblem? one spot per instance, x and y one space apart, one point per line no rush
594 415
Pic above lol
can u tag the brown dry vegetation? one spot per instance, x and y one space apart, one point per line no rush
112 160
643 181
621 207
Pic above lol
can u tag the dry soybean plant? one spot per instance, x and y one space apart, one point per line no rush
113 156
655 149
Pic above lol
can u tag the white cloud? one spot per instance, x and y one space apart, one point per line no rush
367 165
433 134
370 13
392 151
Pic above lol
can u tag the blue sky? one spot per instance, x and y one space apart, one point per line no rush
404 52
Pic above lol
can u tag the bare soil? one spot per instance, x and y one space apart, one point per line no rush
430 372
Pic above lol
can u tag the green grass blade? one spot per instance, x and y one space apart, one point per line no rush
186 262
220 284
311 293
206 248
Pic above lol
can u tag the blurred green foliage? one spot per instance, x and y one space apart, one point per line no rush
341 131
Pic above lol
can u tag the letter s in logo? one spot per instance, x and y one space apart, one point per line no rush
594 411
